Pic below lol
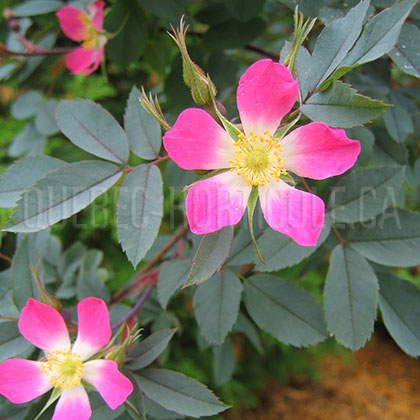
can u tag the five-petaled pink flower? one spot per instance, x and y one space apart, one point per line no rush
266 92
86 28
64 366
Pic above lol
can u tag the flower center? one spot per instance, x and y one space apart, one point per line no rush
91 37
257 158
63 368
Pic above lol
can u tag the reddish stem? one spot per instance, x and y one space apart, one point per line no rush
136 308
9 318
305 184
158 160
4 51
5 258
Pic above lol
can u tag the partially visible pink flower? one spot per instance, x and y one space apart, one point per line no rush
86 28
266 92
65 366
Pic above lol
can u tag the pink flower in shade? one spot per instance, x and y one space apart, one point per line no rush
266 92
64 366
86 28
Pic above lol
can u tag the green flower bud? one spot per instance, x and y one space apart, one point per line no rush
194 76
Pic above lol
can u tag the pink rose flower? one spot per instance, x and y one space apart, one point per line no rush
65 366
266 92
86 28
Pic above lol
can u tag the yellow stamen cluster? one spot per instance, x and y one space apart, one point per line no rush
64 369
257 158
91 37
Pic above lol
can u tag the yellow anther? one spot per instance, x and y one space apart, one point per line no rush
257 158
63 368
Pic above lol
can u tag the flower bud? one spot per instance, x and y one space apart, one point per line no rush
46 297
118 352
194 76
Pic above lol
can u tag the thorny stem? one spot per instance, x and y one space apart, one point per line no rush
5 258
136 308
147 267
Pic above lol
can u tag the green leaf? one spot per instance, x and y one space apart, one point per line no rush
281 251
60 194
170 9
36 7
90 278
12 344
143 131
334 43
128 45
350 297
92 128
179 393
22 281
149 349
234 34
284 310
405 54
392 239
211 254
397 120
387 152
364 193
22 174
245 326
342 106
28 142
155 411
27 105
223 362
216 305
380 34
140 211
30 64
367 140
135 403
244 10
101 410
45 121
399 301
171 278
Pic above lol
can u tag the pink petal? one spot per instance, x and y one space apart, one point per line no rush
196 141
295 213
70 19
318 151
73 404
94 330
43 326
266 92
22 380
80 59
216 202
97 57
113 386
97 10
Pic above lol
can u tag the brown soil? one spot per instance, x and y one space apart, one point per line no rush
382 383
